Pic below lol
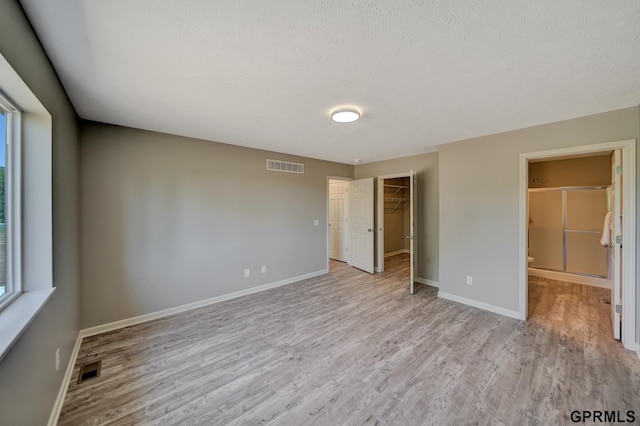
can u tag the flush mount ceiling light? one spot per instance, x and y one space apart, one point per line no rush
345 114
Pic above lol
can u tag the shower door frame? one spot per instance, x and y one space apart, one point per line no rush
564 190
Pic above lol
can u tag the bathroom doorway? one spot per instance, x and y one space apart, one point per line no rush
569 198
565 197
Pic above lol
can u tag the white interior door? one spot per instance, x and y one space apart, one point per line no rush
338 213
616 235
361 224
413 229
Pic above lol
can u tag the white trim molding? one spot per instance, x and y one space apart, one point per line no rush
92 331
638 349
572 278
62 393
28 195
628 148
425 281
480 305
16 317
397 252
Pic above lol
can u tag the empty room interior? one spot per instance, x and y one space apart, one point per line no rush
412 212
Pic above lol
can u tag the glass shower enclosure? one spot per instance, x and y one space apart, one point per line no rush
565 227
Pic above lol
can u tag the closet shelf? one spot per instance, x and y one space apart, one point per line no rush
398 201
399 190
395 194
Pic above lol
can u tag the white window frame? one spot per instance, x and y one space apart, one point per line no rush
12 203
31 210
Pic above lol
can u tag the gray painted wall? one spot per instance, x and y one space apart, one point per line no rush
168 220
426 168
28 380
479 200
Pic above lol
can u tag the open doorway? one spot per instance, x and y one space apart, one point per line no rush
338 219
350 222
396 223
569 199
568 248
396 218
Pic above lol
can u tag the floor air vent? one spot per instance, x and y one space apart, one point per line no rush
285 166
89 371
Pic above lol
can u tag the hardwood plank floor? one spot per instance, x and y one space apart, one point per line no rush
352 348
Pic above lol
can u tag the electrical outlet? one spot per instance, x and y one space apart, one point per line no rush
316 222
247 272
264 269
57 359
469 280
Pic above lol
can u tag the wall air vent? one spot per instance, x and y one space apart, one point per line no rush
285 166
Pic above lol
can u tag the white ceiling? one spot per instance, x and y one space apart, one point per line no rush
266 73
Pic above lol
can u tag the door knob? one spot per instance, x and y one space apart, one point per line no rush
369 229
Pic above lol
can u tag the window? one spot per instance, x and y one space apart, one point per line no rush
10 286
26 227
3 168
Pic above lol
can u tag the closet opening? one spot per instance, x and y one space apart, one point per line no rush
397 224
396 220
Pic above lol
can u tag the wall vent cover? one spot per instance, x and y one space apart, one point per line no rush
89 371
285 166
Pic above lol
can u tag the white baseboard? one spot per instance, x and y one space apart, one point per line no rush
425 281
572 278
62 392
397 252
92 331
189 306
480 305
638 349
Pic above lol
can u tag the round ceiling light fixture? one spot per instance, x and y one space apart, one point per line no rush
345 114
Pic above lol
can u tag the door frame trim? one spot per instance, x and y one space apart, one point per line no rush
347 179
628 148
379 242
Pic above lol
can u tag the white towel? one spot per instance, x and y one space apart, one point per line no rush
606 230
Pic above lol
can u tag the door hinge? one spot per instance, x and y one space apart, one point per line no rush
618 309
618 239
618 170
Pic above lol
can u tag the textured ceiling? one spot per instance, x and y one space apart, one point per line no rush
266 73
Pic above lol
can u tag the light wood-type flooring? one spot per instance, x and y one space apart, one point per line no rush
349 348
